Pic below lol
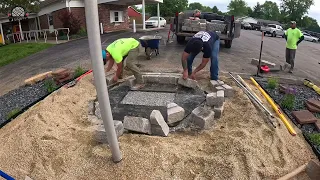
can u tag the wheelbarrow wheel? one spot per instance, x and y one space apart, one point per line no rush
148 53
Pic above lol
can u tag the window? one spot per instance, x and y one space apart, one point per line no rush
272 26
116 16
50 19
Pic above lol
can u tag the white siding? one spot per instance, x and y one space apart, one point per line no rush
76 4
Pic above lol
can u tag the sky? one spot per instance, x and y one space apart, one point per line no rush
222 5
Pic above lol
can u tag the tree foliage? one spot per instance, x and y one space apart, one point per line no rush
29 5
294 10
310 23
270 11
168 8
238 8
137 8
257 11
70 21
195 5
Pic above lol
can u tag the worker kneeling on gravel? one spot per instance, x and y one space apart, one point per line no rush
117 52
209 44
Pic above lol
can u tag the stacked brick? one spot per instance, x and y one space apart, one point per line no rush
62 75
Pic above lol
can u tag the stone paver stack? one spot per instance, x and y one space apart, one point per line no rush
62 75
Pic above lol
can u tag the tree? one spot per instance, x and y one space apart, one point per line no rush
195 5
168 8
215 9
238 8
70 21
294 10
257 11
137 8
250 12
270 11
206 9
309 23
29 5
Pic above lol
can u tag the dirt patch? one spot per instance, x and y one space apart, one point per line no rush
52 140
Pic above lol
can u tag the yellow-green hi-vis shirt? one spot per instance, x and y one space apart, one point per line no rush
293 36
121 47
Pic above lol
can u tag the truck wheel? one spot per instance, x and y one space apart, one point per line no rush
314 41
274 34
228 43
264 33
181 39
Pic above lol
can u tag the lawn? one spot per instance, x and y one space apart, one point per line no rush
15 52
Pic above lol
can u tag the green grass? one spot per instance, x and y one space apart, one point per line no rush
13 113
79 71
273 83
315 138
50 85
288 101
15 52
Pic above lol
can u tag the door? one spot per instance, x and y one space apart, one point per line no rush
163 22
279 31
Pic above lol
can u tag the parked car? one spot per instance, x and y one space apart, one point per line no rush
247 26
308 37
273 29
153 22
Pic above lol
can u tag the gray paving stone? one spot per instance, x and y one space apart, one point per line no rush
218 110
263 62
219 88
190 83
228 90
137 124
175 113
215 99
94 120
158 125
100 134
97 111
203 117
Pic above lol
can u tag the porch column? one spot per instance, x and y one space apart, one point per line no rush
143 14
21 34
158 15
2 33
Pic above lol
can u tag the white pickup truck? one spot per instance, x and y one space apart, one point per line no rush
273 29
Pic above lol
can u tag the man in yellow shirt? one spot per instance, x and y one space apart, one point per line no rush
117 52
293 37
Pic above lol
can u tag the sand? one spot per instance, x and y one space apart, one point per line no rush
52 140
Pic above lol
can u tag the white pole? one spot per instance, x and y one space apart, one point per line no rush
91 11
143 14
101 28
21 34
158 10
134 26
3 42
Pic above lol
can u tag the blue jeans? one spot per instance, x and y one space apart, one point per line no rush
214 69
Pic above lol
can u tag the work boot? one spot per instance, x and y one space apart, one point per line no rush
291 70
284 67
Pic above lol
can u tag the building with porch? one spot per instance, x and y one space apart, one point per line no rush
113 15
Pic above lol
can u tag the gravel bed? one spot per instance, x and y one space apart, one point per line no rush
303 94
20 98
148 98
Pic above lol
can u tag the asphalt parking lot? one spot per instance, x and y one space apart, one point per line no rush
237 59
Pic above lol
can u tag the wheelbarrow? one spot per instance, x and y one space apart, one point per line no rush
150 44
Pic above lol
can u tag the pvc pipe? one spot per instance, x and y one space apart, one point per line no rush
248 87
158 12
134 26
251 96
143 15
91 11
275 108
294 173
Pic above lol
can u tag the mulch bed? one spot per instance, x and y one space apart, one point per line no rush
303 93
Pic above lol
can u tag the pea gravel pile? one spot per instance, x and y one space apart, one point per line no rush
52 140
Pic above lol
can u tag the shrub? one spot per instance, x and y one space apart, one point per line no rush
13 113
50 85
79 71
69 21
82 32
288 101
315 138
273 83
